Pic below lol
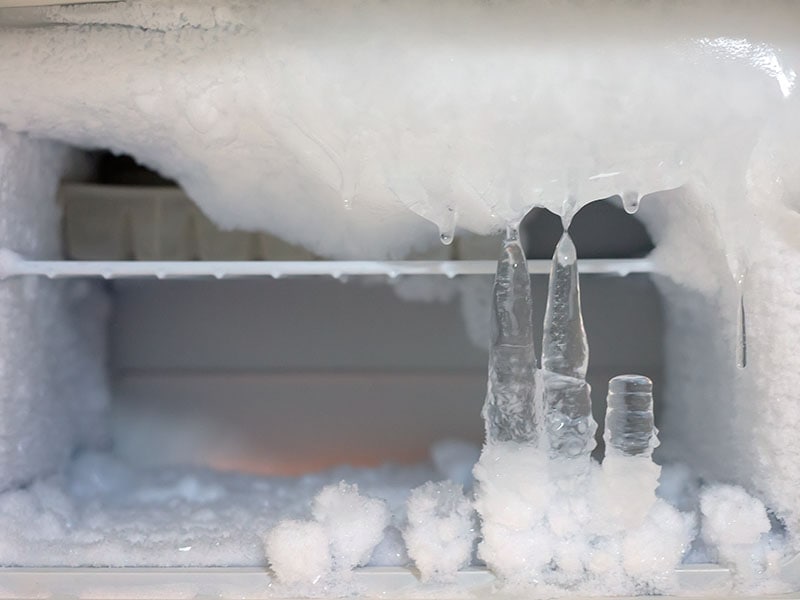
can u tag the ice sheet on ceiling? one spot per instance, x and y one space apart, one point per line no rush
272 114
53 392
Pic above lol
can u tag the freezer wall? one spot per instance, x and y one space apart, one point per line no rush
732 423
53 391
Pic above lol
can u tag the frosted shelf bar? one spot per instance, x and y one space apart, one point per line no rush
13 265
233 582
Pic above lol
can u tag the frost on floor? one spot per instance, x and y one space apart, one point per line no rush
103 512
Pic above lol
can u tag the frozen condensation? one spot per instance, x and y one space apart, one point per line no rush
299 551
305 110
101 511
510 408
736 526
53 388
383 116
346 528
565 356
441 530
629 424
354 523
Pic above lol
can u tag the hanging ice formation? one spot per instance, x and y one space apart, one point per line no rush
741 327
510 408
565 357
514 385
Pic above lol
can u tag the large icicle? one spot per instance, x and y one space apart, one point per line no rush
565 356
509 411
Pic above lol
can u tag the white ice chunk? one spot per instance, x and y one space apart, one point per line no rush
354 523
736 524
299 551
441 530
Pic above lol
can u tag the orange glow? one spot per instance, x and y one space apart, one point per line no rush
294 466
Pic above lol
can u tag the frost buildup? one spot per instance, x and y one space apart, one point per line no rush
552 518
441 530
346 528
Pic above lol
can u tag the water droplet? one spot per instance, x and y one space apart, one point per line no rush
512 232
447 229
630 201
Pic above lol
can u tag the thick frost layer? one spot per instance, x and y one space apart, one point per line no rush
271 114
102 512
551 526
737 527
53 389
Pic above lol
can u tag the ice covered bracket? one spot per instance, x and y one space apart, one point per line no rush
368 129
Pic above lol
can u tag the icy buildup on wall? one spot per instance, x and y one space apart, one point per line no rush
53 392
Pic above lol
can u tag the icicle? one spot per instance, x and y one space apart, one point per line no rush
565 356
741 335
447 229
509 411
630 476
630 201
630 430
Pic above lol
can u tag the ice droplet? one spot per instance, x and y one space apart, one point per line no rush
630 201
447 228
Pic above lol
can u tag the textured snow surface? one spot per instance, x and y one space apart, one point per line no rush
271 114
441 530
53 391
737 525
554 525
103 512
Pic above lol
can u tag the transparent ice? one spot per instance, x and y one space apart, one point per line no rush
509 411
630 429
630 202
565 356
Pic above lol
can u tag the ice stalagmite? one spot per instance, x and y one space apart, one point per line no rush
509 411
565 355
630 430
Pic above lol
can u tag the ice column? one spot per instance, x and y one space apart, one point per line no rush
565 355
630 476
509 411
630 430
